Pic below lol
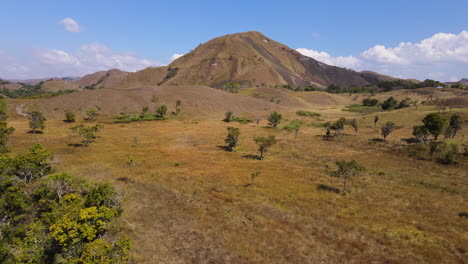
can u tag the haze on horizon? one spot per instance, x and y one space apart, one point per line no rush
56 39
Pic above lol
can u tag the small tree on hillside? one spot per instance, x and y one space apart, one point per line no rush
389 104
228 116
274 119
355 125
161 111
434 123
421 133
87 133
346 170
91 114
453 127
36 121
69 116
232 138
376 119
339 127
143 112
294 126
177 107
387 129
264 144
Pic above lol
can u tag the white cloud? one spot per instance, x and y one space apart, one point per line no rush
87 59
70 25
347 62
442 56
175 56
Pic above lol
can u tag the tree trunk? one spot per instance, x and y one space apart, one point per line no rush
344 184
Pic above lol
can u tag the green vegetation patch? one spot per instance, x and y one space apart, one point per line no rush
357 108
307 113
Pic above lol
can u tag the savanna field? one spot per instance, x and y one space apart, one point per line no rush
186 199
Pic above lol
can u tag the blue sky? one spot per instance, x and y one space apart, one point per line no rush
134 34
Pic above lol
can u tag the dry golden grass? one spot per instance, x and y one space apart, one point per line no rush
189 201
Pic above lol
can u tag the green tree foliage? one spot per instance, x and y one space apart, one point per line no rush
161 111
339 126
91 114
455 124
228 116
264 144
5 130
387 129
69 116
346 170
333 88
389 104
370 102
36 121
232 138
434 123
143 112
274 119
294 126
310 88
231 87
58 218
376 119
87 133
421 133
458 85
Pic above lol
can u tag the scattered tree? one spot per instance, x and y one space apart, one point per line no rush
346 170
434 123
355 125
389 104
69 116
376 119
264 144
36 121
387 129
421 133
229 117
91 114
87 133
177 106
154 99
161 111
143 112
232 138
274 119
370 102
294 126
455 124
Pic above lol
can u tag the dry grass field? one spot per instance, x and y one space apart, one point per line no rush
189 201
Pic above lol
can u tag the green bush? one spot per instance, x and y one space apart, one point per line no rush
307 113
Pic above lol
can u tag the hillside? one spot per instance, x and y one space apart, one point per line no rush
249 59
100 79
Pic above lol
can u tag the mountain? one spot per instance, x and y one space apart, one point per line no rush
37 81
100 79
251 59
463 81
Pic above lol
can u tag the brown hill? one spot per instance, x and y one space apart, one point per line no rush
148 76
250 59
55 85
101 79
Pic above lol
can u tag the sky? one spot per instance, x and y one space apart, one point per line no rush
406 39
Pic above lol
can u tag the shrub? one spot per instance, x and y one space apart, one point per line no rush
370 102
229 116
307 113
421 133
36 121
346 170
389 104
294 126
434 123
161 111
232 138
387 129
274 119
264 144
69 116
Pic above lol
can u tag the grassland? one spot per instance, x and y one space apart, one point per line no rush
189 201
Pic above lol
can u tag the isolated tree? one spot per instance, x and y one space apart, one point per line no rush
161 111
91 114
87 133
143 112
154 99
232 138
455 124
421 133
346 170
177 106
376 119
274 119
69 116
387 129
434 123
339 126
264 144
130 163
36 121
389 104
294 126
257 120
228 116
355 125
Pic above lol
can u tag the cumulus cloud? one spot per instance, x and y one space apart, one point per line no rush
444 56
175 56
347 62
87 59
70 25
